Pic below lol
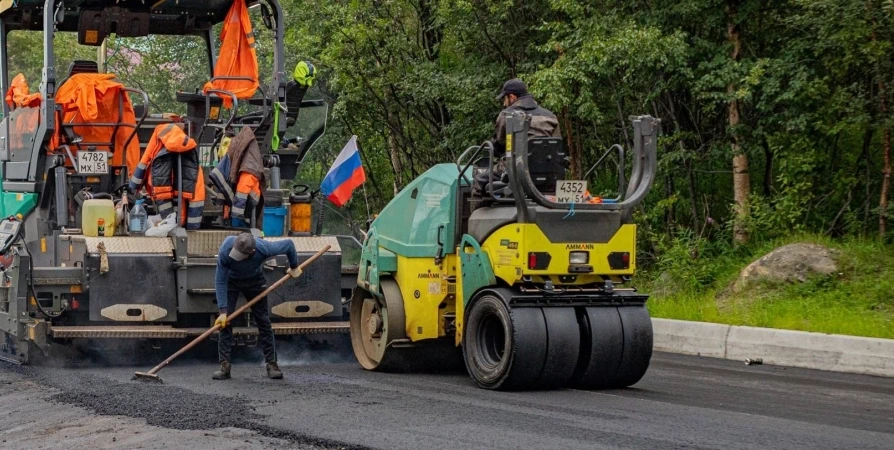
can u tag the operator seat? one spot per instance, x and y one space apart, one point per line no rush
546 165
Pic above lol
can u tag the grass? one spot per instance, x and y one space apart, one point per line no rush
859 301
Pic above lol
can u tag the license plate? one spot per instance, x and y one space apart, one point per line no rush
569 191
93 163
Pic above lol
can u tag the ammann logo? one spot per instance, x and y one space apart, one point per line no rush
580 247
429 275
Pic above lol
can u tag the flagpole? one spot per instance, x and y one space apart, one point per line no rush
365 195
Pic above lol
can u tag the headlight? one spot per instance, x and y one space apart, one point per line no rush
579 257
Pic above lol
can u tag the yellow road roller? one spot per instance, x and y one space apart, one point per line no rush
532 283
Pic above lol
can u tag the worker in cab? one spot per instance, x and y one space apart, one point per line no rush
514 97
239 264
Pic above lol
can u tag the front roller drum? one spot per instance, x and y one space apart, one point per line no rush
520 348
375 324
617 347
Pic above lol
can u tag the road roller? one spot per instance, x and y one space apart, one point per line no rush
530 277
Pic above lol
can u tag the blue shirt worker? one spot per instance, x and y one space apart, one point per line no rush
239 265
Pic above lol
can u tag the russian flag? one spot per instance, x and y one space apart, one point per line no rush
345 175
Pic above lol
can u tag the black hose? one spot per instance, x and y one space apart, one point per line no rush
103 195
31 280
21 236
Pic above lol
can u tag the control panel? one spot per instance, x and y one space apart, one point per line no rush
9 233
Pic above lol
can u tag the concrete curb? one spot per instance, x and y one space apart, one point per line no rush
832 352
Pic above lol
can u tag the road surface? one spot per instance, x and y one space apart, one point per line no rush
327 402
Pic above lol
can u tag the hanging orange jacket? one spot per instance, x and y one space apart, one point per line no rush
19 95
237 56
94 97
157 171
25 115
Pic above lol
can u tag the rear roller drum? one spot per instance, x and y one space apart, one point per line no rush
637 345
520 348
563 347
503 348
616 347
375 324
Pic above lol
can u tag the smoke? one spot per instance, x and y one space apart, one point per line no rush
313 350
292 351
78 353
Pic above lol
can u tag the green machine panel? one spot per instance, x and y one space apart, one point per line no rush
421 215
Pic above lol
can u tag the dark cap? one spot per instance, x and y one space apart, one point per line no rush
243 247
513 86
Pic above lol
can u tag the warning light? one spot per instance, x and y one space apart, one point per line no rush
619 260
538 260
75 304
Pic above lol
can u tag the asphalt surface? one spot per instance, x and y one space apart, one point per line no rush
326 401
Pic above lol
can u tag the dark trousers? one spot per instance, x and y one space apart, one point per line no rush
250 288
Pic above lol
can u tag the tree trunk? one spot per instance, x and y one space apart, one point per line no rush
671 213
768 171
741 178
396 164
576 157
886 173
693 200
886 133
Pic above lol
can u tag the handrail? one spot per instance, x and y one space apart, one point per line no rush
142 117
221 93
620 168
644 166
477 149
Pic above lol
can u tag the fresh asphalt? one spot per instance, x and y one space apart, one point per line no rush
327 401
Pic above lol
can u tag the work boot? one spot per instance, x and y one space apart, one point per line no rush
224 372
273 371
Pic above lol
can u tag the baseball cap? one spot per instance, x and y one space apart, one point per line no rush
513 86
243 247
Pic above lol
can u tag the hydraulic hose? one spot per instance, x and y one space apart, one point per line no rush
31 281
21 237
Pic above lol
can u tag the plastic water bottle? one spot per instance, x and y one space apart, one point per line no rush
138 218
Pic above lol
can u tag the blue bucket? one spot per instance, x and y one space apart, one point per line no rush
275 221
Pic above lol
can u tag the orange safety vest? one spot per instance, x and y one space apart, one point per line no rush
237 56
94 97
157 171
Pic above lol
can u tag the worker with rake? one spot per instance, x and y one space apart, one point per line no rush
239 265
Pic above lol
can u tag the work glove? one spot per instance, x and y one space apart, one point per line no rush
304 73
295 272
221 320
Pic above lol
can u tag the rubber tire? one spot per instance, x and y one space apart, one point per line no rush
638 341
563 347
602 346
523 335
617 347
